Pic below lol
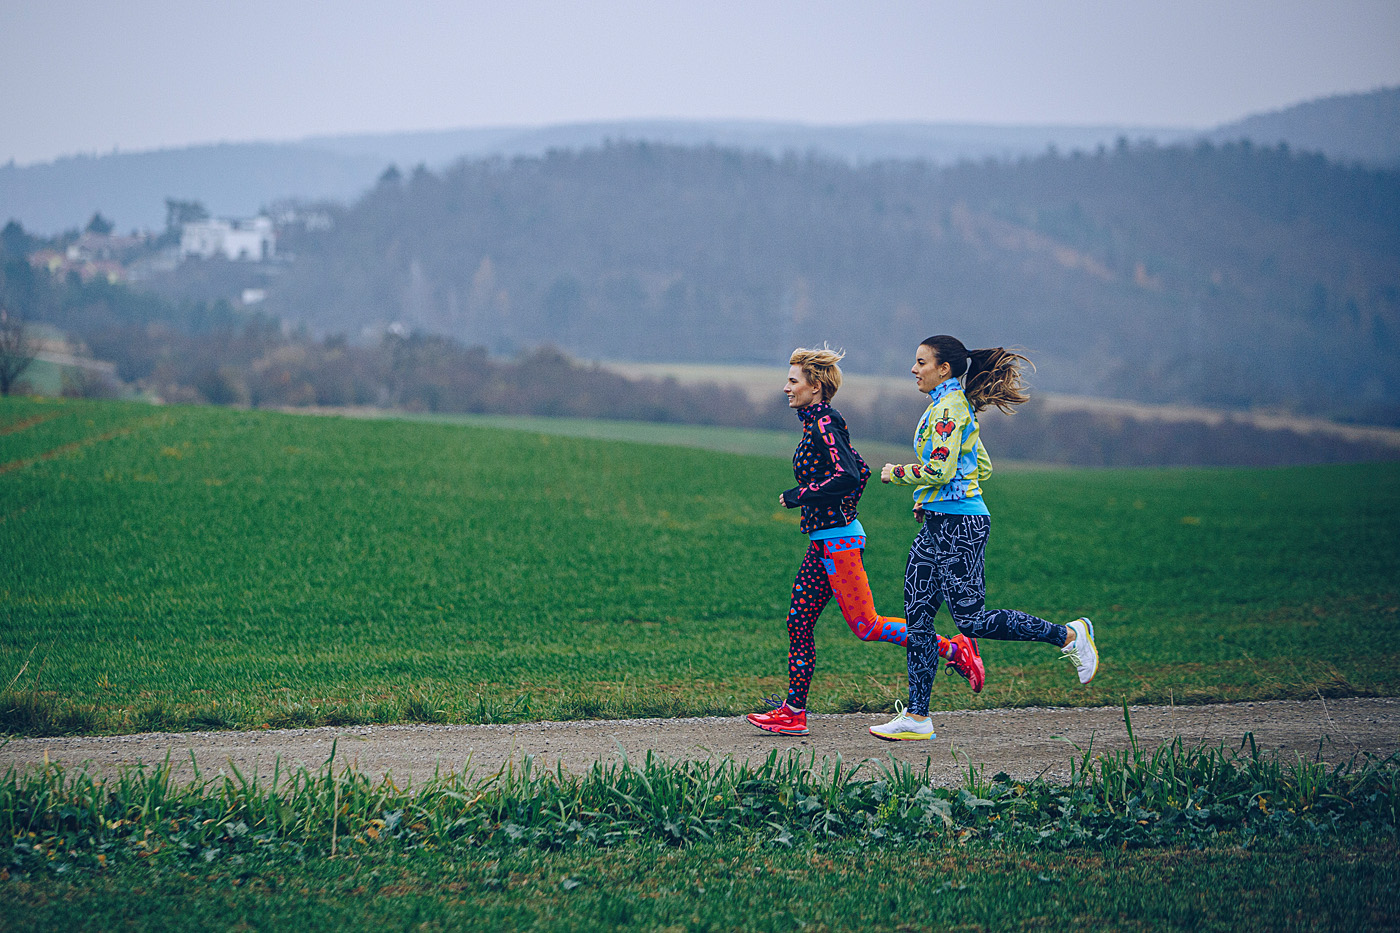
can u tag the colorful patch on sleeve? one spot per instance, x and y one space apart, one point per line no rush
945 425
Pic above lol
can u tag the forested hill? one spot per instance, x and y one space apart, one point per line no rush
1345 127
1221 275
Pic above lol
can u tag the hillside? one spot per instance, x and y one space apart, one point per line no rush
131 188
1225 276
239 179
1346 127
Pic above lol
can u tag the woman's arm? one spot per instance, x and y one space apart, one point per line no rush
943 439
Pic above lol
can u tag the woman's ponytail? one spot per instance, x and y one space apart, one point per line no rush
995 378
989 377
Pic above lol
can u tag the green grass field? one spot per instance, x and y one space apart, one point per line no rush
726 440
206 567
1280 886
201 568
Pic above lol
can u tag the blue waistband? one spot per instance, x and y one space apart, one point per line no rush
972 505
852 530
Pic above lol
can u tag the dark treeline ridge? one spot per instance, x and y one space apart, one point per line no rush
210 353
1220 275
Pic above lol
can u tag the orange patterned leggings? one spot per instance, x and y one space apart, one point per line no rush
831 568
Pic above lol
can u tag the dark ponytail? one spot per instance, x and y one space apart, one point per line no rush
989 377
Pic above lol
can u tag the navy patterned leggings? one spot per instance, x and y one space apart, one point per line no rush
947 564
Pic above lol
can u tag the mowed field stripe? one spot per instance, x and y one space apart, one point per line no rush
30 422
85 442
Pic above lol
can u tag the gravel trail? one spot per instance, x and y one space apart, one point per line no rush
1021 742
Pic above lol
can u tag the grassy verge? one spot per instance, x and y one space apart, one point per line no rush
56 820
190 568
1351 885
1182 838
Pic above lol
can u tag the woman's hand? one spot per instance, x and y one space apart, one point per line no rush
782 499
887 473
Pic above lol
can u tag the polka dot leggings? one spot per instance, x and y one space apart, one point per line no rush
830 569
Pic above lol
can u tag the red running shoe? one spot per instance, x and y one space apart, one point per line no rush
782 721
968 662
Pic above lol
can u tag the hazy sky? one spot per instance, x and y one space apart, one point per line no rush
91 75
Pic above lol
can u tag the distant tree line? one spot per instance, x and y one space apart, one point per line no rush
209 352
16 351
1227 275
212 355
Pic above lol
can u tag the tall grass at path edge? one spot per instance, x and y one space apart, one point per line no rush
1176 838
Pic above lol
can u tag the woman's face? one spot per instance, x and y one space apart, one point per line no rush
799 391
929 374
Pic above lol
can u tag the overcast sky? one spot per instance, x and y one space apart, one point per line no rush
93 75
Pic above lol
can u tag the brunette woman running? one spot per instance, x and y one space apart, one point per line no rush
831 476
946 559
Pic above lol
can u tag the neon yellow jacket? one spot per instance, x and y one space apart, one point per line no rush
951 459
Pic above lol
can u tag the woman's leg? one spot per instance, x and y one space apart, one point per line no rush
961 543
845 573
923 594
810 594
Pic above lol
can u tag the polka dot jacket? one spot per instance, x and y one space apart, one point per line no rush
830 473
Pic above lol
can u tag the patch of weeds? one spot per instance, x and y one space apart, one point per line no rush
155 717
32 713
213 716
485 708
656 706
341 716
291 716
871 696
382 711
584 706
728 707
852 704
423 707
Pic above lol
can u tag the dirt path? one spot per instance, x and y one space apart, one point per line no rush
1021 742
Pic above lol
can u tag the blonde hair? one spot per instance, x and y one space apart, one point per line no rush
819 368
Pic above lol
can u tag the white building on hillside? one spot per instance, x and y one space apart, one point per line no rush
240 240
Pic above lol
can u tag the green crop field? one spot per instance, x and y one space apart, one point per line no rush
206 567
201 568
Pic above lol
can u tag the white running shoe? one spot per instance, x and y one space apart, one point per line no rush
1082 650
903 728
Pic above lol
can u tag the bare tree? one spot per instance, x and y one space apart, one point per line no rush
16 350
